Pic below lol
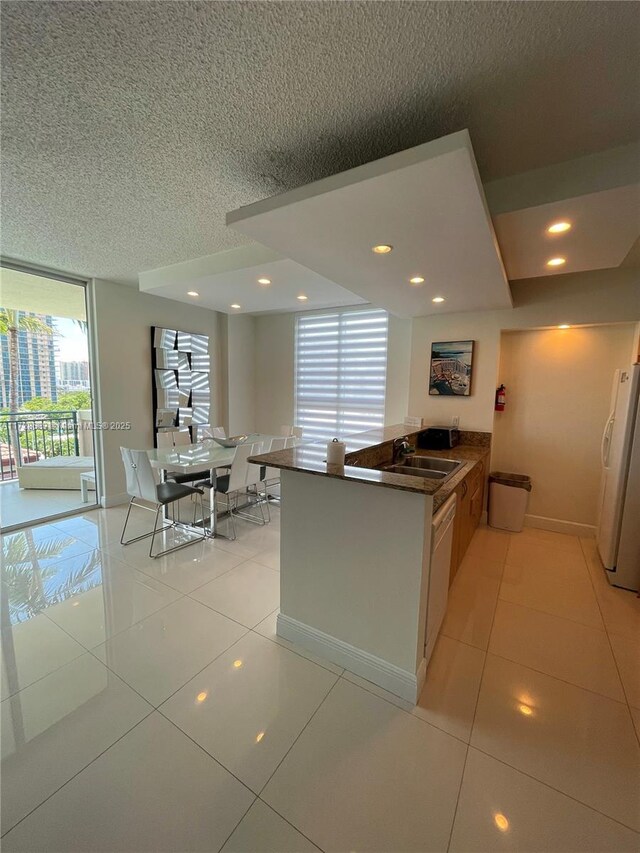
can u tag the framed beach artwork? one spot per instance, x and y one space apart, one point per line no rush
451 368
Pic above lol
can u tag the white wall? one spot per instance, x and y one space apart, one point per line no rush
398 371
123 318
275 371
241 373
606 296
559 388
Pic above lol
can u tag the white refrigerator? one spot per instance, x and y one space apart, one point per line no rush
618 533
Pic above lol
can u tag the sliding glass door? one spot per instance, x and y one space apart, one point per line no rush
47 464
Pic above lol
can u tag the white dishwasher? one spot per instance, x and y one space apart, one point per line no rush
441 542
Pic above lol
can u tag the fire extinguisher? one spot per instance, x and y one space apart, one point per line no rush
501 398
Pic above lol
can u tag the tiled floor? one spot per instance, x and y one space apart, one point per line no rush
149 706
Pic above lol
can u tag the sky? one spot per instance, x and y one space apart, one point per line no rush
70 341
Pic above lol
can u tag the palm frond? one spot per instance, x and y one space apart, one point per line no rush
35 325
18 549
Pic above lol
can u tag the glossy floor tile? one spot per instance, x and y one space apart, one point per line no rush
620 608
100 527
54 728
270 557
31 650
161 653
450 692
635 716
184 570
502 809
529 552
537 536
561 591
576 741
365 775
154 790
248 707
489 544
261 830
36 549
472 601
339 763
567 650
115 598
626 650
246 594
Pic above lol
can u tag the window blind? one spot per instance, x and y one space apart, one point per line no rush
341 371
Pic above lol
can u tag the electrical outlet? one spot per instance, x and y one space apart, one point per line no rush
455 421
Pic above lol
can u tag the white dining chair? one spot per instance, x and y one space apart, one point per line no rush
237 481
169 438
298 432
143 486
271 476
286 429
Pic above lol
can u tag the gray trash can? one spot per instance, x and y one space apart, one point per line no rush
508 500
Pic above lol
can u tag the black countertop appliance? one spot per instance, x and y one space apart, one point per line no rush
438 438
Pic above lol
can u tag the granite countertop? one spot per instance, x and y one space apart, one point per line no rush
370 448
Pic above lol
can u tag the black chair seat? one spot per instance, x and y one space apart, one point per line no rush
170 491
222 484
190 478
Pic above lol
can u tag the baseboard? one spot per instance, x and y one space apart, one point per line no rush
115 500
572 528
407 685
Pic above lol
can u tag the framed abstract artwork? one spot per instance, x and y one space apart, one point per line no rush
181 367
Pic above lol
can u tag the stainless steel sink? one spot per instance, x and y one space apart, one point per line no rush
414 471
432 463
431 467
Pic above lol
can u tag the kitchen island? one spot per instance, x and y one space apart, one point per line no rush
356 550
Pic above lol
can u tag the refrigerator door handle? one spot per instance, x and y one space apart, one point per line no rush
606 441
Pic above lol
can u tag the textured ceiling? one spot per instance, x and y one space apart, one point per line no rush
130 129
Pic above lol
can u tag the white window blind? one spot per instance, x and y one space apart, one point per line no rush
341 371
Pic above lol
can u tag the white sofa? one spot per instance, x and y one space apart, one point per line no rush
58 472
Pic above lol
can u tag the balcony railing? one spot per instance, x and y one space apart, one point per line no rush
29 436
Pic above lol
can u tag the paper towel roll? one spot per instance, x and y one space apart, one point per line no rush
335 452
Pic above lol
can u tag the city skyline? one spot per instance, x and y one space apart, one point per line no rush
48 363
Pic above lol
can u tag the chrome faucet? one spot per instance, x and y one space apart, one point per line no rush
401 447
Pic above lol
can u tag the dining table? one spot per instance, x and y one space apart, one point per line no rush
207 456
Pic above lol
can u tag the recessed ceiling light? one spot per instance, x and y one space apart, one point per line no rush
192 293
417 279
302 297
438 299
556 262
559 227
236 306
382 249
264 281
564 326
